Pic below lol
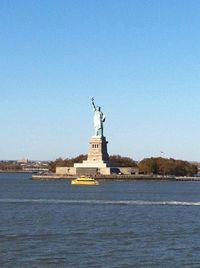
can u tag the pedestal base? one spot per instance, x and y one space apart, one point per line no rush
98 158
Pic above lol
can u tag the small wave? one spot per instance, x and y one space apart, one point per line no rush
96 202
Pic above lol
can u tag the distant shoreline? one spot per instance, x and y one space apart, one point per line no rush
119 177
15 171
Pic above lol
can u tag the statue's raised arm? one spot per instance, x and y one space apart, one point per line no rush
93 103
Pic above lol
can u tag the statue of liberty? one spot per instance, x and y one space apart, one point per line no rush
99 119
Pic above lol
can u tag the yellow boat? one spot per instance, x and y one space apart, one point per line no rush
84 181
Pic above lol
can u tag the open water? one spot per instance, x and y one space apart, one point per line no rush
114 225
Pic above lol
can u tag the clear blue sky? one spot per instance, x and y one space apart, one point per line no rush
140 59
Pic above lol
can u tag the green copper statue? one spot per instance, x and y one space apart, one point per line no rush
99 118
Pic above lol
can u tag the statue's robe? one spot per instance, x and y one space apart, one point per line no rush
98 120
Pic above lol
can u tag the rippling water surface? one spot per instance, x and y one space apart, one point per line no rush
116 224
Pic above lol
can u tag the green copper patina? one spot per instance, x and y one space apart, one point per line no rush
99 119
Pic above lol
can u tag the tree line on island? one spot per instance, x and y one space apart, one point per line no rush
153 165
163 166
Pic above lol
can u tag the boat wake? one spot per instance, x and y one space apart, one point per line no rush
98 202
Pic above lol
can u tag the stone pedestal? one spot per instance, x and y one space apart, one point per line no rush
97 157
98 149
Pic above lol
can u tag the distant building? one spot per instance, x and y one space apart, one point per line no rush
22 161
